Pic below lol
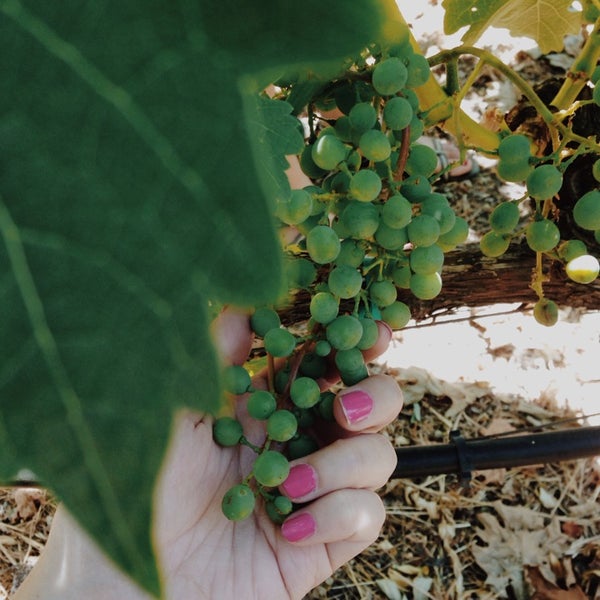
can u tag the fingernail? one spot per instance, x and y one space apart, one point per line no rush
357 406
298 527
301 481
387 328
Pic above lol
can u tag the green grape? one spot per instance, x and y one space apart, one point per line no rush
325 406
305 417
351 254
324 307
426 259
328 152
365 185
362 116
344 282
583 269
515 172
323 244
282 378
344 332
596 170
337 182
426 286
296 209
323 348
271 468
263 319
360 219
494 244
514 148
544 182
305 392
351 365
437 206
261 404
300 273
383 292
343 128
389 76
423 230
238 502
370 333
279 342
308 165
396 212
301 445
457 235
418 70
542 235
283 505
236 380
282 425
396 315
397 113
422 160
571 249
586 211
415 188
401 277
417 128
390 238
374 145
313 365
545 312
505 217
227 431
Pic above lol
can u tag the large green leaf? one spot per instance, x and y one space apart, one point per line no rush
545 21
135 174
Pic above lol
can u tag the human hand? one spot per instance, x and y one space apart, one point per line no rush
201 553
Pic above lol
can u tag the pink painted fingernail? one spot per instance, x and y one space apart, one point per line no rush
357 406
298 527
301 481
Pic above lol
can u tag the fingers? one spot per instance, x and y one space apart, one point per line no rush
232 335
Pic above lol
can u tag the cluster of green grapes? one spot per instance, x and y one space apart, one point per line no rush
543 180
370 224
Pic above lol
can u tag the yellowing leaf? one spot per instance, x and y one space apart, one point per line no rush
545 21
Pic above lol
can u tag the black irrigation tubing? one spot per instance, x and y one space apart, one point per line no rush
463 456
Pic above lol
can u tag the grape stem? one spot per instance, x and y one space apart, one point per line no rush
402 154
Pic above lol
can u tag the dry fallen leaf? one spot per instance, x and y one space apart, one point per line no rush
542 589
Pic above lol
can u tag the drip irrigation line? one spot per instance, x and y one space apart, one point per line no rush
463 456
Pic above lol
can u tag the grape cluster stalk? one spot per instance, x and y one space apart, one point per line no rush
370 224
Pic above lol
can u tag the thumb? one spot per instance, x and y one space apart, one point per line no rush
232 335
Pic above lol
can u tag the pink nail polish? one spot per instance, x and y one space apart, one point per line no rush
357 406
301 481
298 527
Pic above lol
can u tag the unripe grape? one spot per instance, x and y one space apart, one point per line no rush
514 148
324 307
261 404
586 211
596 170
236 380
389 76
362 116
365 185
296 209
418 70
396 315
437 206
583 269
344 282
397 113
422 160
322 244
271 468
227 431
238 502
571 249
351 254
344 332
396 212
515 172
360 219
391 239
299 272
351 365
370 333
545 312
457 235
282 425
375 145
383 293
328 152
542 235
423 230
308 165
494 244
263 319
301 445
426 286
401 277
426 259
279 342
323 348
544 182
505 217
415 188
305 392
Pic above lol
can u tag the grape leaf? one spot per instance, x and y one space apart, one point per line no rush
545 21
134 191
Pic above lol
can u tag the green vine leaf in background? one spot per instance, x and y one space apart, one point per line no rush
134 189
545 21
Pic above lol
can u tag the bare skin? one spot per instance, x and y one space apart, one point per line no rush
202 554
